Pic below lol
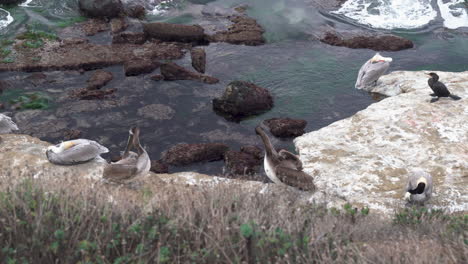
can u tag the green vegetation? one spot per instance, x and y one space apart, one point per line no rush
49 223
34 38
34 100
6 51
71 21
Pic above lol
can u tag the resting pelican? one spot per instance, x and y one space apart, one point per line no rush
284 167
371 71
132 164
419 187
439 88
74 152
6 124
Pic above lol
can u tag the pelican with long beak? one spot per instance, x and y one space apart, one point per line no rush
419 187
132 164
371 71
75 152
284 167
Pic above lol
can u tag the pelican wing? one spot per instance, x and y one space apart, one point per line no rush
294 178
119 172
371 72
143 163
292 158
6 124
82 150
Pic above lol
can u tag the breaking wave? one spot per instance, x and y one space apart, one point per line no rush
5 18
454 13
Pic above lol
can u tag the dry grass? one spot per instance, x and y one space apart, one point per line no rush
43 223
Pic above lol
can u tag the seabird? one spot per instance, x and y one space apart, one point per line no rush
132 164
74 152
419 187
6 124
371 71
284 167
439 88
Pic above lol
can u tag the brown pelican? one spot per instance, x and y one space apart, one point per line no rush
74 152
6 124
132 164
419 187
284 167
371 71
439 88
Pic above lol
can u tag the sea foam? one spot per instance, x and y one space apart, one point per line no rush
455 15
4 22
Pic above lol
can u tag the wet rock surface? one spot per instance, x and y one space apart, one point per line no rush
198 56
94 26
185 154
248 161
118 25
137 67
367 40
244 30
241 99
101 8
286 127
172 72
136 11
175 32
99 79
158 166
129 38
157 112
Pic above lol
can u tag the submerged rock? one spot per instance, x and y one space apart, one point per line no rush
185 154
286 127
366 40
245 162
241 99
157 112
175 32
244 30
129 38
100 8
99 79
137 67
367 158
198 59
172 72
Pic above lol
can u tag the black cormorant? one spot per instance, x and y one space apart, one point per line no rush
439 89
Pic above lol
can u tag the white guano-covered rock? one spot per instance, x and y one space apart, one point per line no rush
366 158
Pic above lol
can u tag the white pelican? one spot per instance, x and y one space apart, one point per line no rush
132 164
284 167
74 152
6 124
371 71
419 187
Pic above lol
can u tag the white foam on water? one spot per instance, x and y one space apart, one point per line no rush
389 14
455 15
7 21
161 8
26 4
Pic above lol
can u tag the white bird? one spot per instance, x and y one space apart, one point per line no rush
284 167
371 71
6 124
419 187
75 152
132 164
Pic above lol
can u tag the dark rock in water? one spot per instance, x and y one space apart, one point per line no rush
101 8
129 38
175 32
286 127
157 112
172 72
11 2
118 25
4 85
37 78
374 42
136 11
158 166
198 59
241 99
70 134
85 94
137 67
99 79
2 106
94 26
157 77
245 30
185 154
243 162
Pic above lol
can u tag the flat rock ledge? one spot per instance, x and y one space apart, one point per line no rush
367 158
23 158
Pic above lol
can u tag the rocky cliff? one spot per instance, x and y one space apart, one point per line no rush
366 158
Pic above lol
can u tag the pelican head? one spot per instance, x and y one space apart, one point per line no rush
61 147
378 58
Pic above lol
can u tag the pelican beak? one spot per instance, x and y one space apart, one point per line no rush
68 144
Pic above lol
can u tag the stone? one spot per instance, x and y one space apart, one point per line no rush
99 79
253 150
129 38
241 99
185 154
37 78
172 72
118 25
362 40
367 157
158 166
136 11
157 112
101 8
244 30
94 26
4 85
245 162
198 59
70 134
175 32
137 67
86 94
157 77
11 2
286 127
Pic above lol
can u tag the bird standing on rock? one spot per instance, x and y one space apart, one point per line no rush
284 167
371 71
132 164
439 88
6 125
